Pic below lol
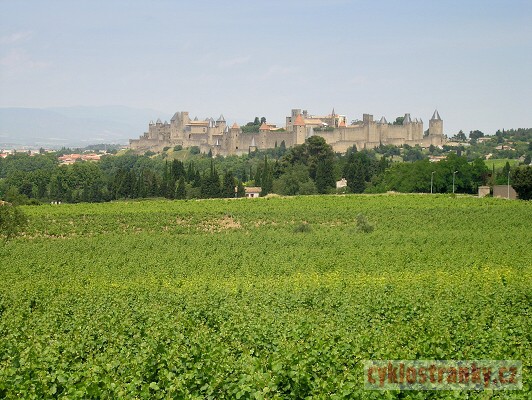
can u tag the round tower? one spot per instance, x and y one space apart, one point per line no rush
436 125
436 129
264 130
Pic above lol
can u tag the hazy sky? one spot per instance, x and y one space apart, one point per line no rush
470 59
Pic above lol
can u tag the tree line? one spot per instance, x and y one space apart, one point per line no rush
309 168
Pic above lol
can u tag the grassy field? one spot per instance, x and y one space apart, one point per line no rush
233 299
499 163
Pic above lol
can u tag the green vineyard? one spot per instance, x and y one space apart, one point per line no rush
263 298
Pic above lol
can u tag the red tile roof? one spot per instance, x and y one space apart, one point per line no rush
299 121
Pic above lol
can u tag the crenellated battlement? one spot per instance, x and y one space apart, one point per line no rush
217 136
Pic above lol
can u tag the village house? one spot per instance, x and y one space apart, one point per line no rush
252 191
342 183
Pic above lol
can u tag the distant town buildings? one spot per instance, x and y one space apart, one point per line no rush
221 139
436 158
68 159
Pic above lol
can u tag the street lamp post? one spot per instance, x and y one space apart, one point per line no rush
454 174
431 181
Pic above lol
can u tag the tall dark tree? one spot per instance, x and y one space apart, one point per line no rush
266 178
358 184
191 173
521 180
180 192
142 190
228 186
178 169
479 173
325 176
165 184
125 184
317 150
383 164
258 175
197 179
241 191
358 170
474 135
210 184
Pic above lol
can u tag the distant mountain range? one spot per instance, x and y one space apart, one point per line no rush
73 126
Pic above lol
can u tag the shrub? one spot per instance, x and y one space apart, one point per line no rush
12 221
303 227
194 150
363 225
178 147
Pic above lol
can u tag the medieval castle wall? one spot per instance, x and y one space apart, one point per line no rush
218 137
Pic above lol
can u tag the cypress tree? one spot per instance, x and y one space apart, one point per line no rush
267 178
325 176
197 179
210 184
359 183
258 175
241 191
190 173
228 187
178 169
164 184
181 192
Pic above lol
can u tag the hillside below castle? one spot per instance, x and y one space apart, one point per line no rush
221 139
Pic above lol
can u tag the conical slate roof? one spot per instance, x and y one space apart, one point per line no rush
383 120
407 119
436 116
221 118
253 144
